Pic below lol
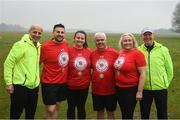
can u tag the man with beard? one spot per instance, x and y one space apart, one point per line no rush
54 57
21 73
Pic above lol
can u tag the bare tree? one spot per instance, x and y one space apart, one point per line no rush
176 19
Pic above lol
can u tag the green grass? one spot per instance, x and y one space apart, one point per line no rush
172 42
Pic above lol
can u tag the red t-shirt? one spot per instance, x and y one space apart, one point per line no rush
126 65
54 57
103 79
79 68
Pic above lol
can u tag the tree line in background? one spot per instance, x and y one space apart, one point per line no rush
176 18
175 22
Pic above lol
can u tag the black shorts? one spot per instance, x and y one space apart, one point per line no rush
53 93
108 102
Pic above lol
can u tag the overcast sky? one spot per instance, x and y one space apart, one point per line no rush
96 15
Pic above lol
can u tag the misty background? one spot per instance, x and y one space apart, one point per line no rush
115 16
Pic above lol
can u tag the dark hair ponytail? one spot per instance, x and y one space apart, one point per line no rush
85 45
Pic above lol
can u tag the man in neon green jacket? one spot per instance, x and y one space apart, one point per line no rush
21 73
159 73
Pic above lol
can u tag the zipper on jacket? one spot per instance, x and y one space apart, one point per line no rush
149 66
25 79
36 66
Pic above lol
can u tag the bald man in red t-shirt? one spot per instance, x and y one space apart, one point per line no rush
103 80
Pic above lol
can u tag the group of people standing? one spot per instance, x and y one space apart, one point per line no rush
133 74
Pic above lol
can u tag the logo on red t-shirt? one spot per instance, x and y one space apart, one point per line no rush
63 58
119 62
102 65
80 63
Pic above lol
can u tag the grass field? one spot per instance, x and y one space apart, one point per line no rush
172 42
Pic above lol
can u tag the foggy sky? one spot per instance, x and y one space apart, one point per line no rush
96 15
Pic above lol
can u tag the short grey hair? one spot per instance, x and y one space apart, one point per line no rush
100 33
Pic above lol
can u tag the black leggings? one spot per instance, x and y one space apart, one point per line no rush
77 98
127 101
23 97
160 98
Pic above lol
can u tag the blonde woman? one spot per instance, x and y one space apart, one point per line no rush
130 75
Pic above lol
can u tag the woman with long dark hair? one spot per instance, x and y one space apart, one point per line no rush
79 76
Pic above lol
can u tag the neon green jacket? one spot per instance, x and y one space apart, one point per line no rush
159 68
22 64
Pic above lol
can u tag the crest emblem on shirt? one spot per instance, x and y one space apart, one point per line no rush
80 63
119 62
63 58
101 65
